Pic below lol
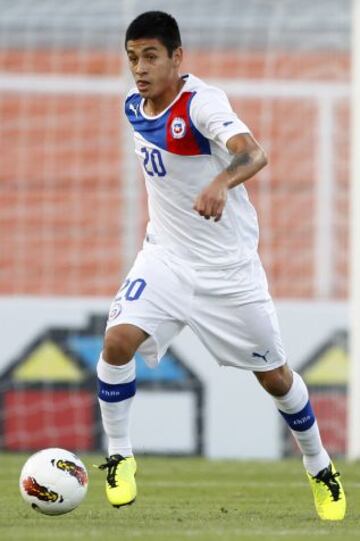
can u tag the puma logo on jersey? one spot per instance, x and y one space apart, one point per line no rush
134 108
255 354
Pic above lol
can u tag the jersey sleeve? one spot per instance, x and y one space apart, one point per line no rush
214 117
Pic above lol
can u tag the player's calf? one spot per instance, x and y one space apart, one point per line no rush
276 382
121 343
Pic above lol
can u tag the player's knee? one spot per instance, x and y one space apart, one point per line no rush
276 382
118 348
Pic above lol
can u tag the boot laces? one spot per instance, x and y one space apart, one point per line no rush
328 477
111 465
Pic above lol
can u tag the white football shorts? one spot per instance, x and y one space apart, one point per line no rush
230 310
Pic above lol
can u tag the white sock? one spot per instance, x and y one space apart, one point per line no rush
296 409
116 390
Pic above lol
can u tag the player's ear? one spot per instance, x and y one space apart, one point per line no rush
177 56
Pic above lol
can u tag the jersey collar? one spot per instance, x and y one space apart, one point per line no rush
187 79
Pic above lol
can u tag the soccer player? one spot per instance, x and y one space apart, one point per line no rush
199 264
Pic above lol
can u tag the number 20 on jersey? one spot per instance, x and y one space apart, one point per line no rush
153 163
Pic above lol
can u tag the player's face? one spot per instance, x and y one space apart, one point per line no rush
153 70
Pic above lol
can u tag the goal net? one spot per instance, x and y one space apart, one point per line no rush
72 206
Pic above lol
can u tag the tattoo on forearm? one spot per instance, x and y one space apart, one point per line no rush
243 158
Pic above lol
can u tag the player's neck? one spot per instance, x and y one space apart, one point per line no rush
154 106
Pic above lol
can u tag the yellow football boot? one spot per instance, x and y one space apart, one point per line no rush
120 480
329 495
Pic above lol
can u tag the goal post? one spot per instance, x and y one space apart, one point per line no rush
354 375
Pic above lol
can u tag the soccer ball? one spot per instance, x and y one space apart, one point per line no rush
53 481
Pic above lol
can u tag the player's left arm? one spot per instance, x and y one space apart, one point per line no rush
248 158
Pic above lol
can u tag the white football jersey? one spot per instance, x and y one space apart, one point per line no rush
181 150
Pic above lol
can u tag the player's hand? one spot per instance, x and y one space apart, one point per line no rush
211 200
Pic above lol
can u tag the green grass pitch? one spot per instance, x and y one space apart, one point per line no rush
187 499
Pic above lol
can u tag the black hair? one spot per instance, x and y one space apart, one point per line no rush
156 25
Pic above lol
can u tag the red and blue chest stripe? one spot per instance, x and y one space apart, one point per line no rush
173 131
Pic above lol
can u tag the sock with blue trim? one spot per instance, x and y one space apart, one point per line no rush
116 390
295 407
